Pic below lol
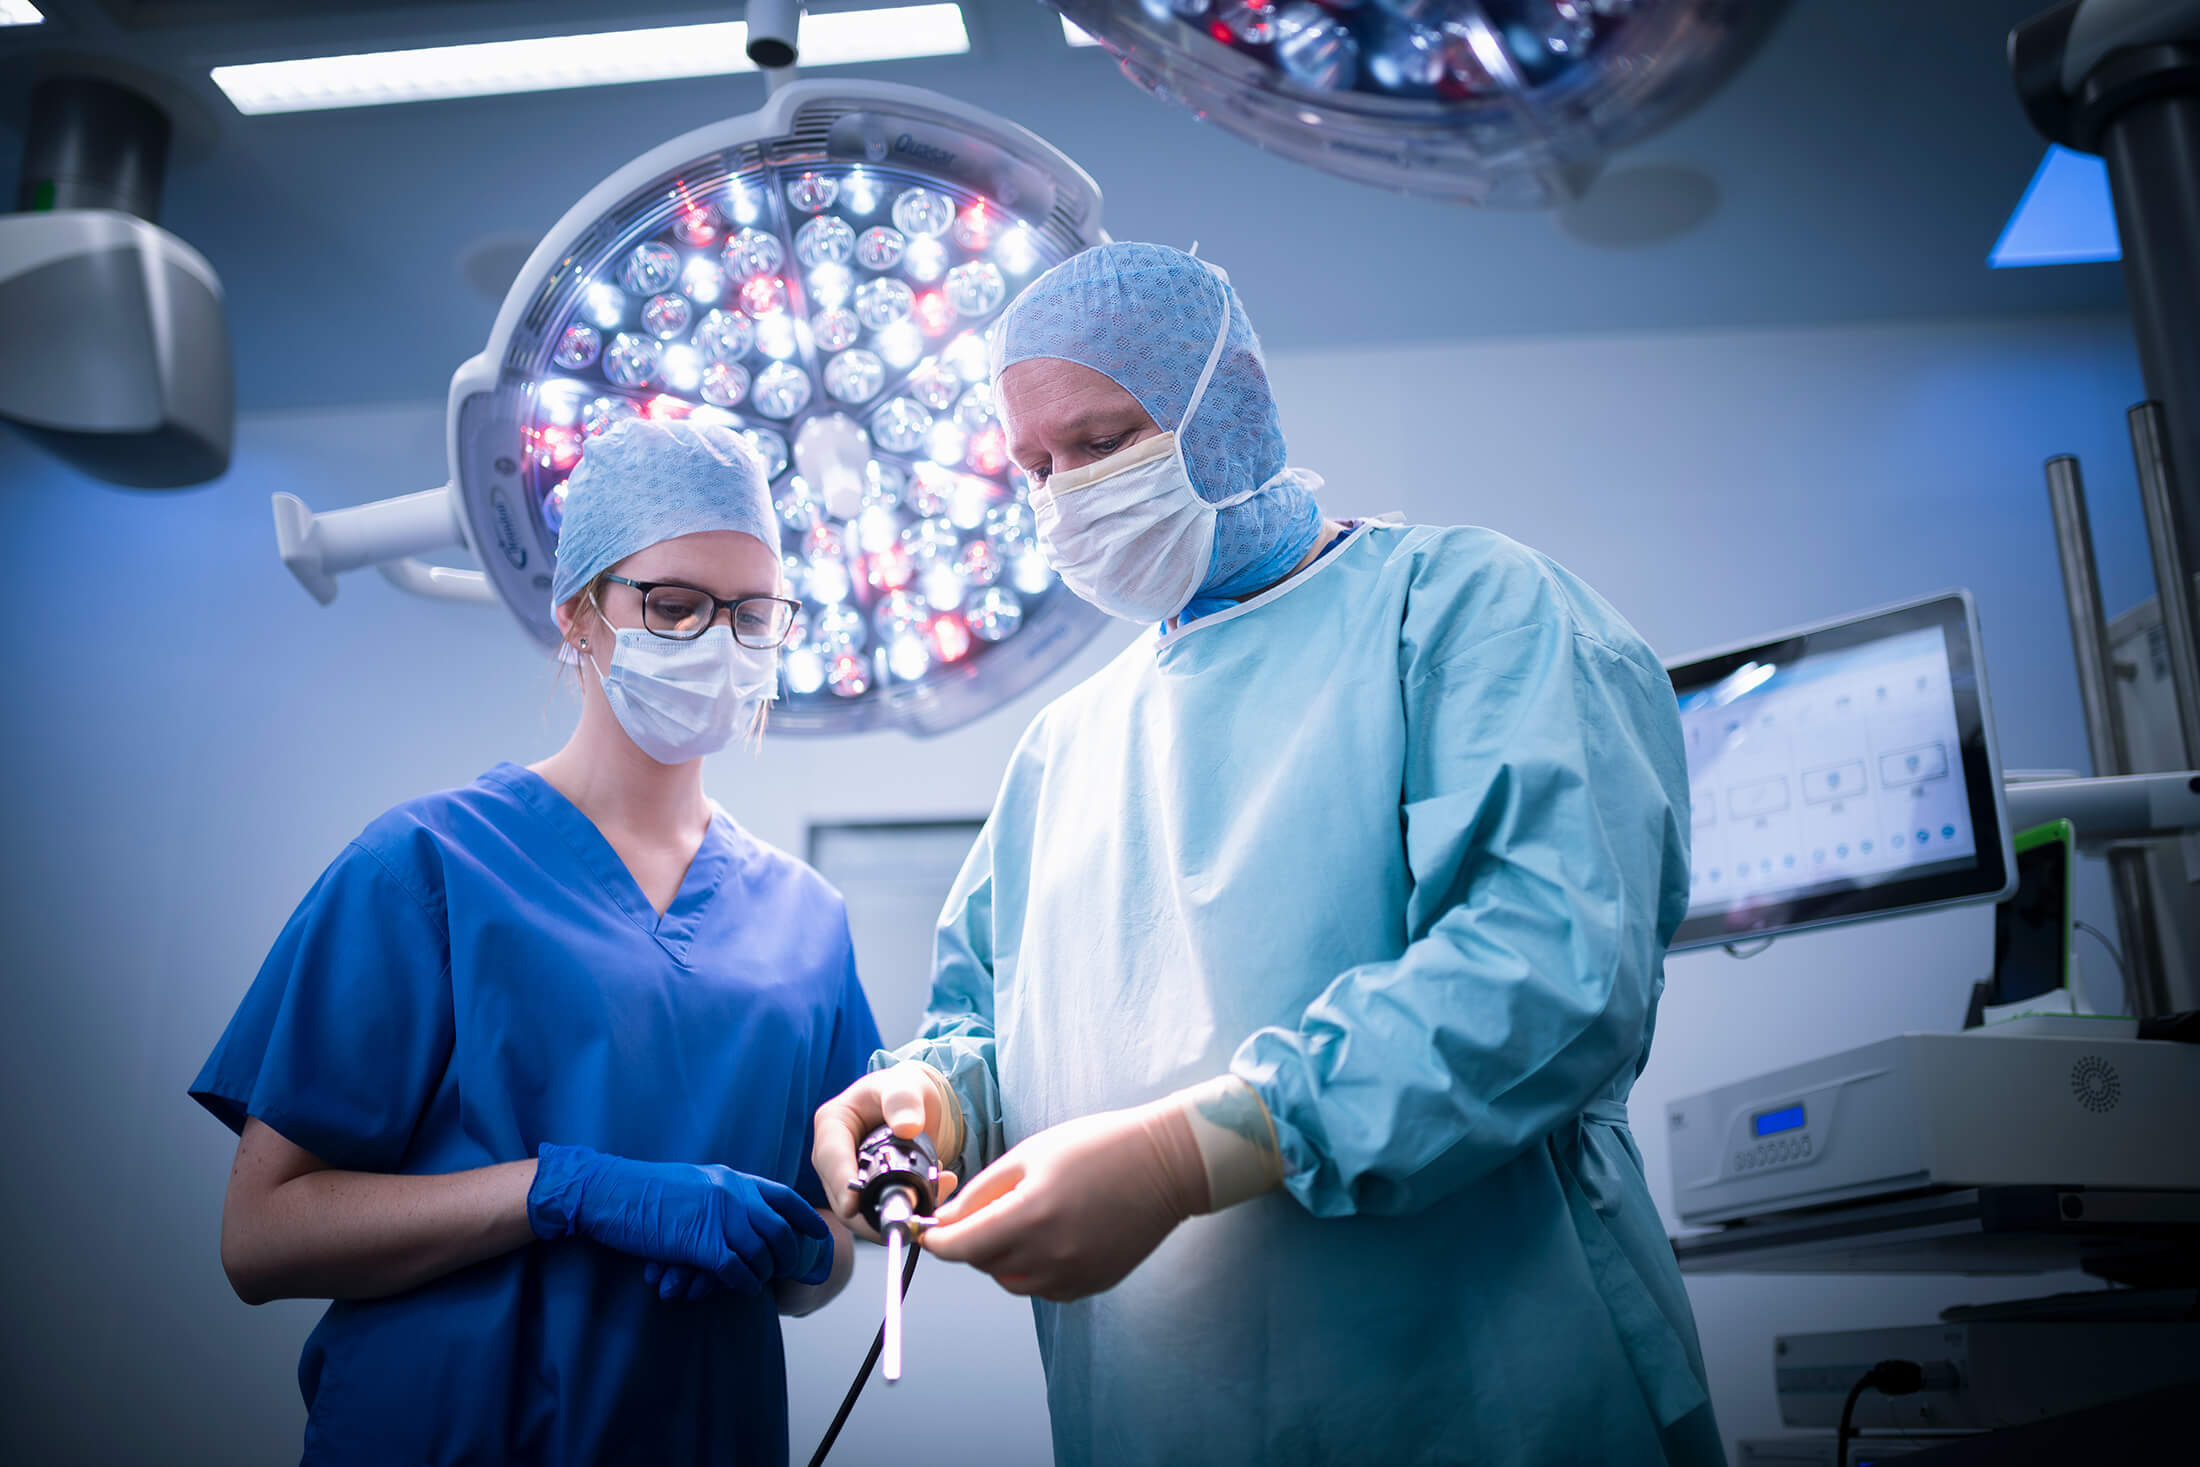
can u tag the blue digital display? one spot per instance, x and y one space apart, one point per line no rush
1773 1122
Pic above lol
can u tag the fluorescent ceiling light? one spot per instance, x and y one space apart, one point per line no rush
1076 35
550 63
2065 217
19 12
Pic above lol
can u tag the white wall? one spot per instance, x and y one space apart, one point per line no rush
192 739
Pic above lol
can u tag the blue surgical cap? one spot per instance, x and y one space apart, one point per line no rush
1145 317
646 482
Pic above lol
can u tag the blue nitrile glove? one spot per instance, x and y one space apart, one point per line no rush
674 1282
742 1230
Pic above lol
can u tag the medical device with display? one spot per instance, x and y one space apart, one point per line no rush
1507 102
1842 771
817 276
2086 1105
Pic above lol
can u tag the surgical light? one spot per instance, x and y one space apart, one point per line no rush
769 274
1503 102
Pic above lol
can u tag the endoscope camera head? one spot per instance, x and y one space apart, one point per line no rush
897 1180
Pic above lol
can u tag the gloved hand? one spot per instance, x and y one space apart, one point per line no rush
741 1230
674 1282
910 1097
1072 1210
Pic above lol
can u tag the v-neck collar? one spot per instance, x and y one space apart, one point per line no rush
714 859
1330 555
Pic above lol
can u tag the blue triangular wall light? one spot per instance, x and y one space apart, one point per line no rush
2065 216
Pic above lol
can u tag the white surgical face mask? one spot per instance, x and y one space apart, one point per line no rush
1130 534
681 700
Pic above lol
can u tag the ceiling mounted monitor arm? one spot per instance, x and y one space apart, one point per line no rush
2121 78
2110 809
388 534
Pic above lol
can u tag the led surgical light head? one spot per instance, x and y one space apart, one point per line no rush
816 277
1504 102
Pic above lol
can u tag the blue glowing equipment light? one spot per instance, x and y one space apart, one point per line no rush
2065 217
1773 1122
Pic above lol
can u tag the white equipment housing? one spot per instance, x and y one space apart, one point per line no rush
1930 1111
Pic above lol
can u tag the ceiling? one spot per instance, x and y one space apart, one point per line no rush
1858 169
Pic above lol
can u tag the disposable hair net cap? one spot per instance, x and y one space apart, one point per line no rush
1145 316
644 482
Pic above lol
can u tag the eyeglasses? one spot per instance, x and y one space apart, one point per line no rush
682 613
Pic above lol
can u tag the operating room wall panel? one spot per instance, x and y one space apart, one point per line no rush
191 739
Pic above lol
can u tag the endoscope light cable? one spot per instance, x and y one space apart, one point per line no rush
870 1363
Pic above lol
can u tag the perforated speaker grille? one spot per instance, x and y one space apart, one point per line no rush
2094 1081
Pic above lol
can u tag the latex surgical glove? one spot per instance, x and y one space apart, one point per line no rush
911 1097
1071 1211
741 1230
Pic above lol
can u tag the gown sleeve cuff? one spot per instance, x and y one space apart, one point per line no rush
1237 1140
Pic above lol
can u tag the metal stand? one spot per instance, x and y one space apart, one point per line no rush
2146 991
2121 78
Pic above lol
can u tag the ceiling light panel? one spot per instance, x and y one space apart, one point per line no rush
553 63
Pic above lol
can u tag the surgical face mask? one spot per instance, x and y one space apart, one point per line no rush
681 700
1129 534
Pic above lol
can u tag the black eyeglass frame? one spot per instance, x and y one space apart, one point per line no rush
731 608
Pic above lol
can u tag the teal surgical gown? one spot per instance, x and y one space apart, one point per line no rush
476 974
1401 843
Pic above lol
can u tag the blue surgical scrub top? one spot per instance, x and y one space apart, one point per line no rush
477 974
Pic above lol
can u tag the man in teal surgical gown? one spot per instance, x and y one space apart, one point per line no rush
1284 1015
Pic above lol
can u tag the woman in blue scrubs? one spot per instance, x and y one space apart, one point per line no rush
524 1086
